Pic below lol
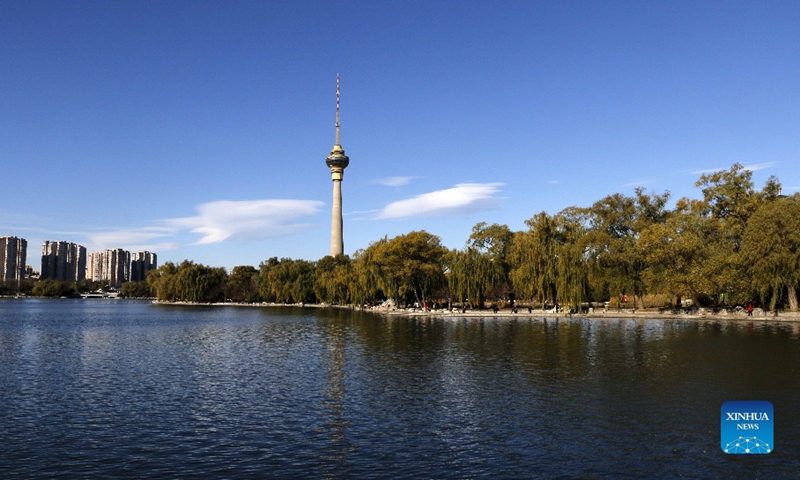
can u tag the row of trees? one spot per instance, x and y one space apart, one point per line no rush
734 245
48 287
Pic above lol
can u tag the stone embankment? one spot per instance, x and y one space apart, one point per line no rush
649 313
700 313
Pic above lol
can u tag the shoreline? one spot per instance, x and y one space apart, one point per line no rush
759 316
610 315
699 314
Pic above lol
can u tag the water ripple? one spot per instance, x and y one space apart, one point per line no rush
117 389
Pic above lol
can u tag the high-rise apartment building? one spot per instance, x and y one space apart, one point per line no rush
94 266
63 261
13 254
118 265
141 263
112 266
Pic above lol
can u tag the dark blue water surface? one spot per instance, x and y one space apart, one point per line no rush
104 389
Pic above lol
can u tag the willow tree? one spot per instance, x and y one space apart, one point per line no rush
533 259
288 280
333 280
365 283
265 288
771 250
572 279
196 282
471 274
547 261
189 281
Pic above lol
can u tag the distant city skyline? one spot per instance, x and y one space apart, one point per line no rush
68 261
197 130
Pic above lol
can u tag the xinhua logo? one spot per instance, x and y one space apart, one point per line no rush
747 427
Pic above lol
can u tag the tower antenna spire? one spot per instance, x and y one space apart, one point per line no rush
337 110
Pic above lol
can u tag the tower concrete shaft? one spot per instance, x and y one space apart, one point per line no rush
337 161
337 234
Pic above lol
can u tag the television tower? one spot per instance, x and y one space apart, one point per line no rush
337 161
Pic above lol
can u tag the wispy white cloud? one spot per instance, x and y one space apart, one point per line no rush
393 181
554 182
638 183
461 199
360 212
127 237
760 166
358 215
154 239
707 170
752 167
247 220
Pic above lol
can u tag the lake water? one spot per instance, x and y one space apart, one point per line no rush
114 388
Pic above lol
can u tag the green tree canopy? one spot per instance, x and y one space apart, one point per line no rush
771 250
548 262
616 259
51 288
139 289
189 282
242 284
411 263
334 280
287 280
471 274
162 282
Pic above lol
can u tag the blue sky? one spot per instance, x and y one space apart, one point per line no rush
199 130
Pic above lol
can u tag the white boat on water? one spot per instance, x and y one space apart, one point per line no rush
100 295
